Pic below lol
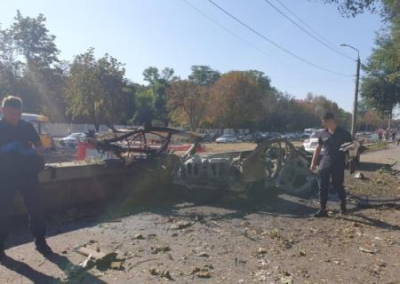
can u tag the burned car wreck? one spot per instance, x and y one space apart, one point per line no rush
273 163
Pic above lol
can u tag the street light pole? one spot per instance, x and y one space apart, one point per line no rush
355 103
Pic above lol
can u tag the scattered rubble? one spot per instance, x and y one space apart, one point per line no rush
204 272
160 249
366 250
181 225
103 260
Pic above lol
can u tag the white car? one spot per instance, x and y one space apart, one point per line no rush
311 143
72 139
227 138
309 131
353 150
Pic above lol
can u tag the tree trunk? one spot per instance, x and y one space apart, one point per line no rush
390 120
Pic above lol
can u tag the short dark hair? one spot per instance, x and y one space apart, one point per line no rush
12 101
328 116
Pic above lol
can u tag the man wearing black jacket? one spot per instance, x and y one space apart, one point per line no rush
20 162
332 162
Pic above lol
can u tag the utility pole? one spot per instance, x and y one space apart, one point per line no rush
354 118
355 103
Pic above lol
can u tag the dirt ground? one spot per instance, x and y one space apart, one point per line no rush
270 239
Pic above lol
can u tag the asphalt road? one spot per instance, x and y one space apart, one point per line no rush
269 240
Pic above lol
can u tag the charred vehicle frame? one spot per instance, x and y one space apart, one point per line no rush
273 162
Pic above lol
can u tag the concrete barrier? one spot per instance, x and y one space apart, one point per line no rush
70 184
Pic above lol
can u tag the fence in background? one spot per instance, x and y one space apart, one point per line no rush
64 129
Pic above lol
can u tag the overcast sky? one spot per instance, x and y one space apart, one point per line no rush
170 33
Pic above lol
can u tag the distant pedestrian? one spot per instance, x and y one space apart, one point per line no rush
380 135
393 136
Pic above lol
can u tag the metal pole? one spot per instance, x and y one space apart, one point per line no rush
354 118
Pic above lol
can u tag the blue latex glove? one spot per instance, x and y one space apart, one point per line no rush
17 147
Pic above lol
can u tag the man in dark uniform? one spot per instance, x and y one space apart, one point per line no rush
332 163
20 162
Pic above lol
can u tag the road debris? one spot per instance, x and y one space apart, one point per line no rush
161 274
103 260
261 252
117 265
203 254
359 175
181 225
160 249
138 237
204 272
365 250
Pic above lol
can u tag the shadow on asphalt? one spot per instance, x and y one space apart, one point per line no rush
28 272
75 274
369 167
169 201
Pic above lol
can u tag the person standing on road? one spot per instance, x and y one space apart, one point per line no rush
393 136
332 162
20 162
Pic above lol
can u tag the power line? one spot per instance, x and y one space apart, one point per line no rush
303 22
244 40
233 34
324 41
274 43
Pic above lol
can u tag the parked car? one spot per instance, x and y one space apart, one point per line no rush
207 137
311 143
227 138
72 139
290 136
249 138
253 137
353 150
272 135
308 132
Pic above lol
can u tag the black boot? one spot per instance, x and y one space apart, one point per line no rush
321 213
42 246
343 209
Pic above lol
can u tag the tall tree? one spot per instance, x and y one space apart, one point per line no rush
95 89
159 83
381 84
33 39
188 103
29 66
145 111
236 101
203 75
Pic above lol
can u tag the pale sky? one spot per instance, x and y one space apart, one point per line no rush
170 33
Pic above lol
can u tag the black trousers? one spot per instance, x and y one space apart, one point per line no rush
29 187
334 173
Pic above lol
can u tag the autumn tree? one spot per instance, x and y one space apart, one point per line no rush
236 101
188 103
